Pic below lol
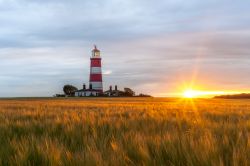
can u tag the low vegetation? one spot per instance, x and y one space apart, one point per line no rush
234 96
124 131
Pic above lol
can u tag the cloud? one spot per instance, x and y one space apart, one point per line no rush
148 45
107 72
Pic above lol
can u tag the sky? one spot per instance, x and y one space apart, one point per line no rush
152 46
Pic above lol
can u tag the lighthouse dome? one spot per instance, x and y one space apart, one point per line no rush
95 49
95 52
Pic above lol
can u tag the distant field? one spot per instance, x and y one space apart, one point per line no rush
124 131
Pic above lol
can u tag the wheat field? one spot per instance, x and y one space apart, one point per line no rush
124 131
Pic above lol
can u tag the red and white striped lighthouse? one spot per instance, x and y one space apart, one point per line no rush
95 79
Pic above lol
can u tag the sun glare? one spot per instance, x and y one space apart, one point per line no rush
190 94
196 93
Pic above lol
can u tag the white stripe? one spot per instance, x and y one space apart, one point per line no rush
96 85
96 70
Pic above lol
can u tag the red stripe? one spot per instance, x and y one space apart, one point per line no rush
96 62
95 77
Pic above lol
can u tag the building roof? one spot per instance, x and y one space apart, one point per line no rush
113 91
87 90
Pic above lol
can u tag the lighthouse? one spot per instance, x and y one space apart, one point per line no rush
95 77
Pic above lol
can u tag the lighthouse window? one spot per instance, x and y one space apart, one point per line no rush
97 54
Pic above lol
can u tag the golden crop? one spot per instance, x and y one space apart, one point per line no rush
124 131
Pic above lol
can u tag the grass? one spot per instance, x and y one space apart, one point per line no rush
124 131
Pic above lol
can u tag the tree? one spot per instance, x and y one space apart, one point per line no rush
69 90
128 92
143 95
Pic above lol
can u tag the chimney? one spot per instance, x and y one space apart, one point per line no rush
84 87
90 86
116 87
110 88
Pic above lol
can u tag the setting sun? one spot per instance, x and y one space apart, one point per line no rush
190 94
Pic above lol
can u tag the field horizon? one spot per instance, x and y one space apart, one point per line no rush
124 131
